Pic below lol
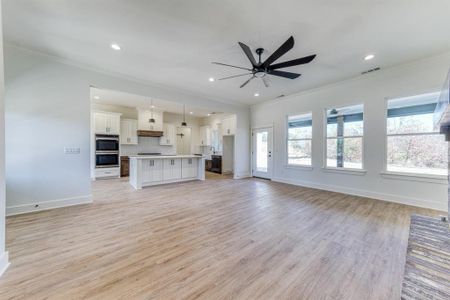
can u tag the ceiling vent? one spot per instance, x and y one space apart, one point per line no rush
370 71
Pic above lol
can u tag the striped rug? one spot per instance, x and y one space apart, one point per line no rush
427 269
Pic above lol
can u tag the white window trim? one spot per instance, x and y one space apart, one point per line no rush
325 139
286 152
408 176
299 167
350 171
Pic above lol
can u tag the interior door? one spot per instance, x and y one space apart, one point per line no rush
262 152
183 140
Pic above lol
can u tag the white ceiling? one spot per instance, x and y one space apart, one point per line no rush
136 101
172 42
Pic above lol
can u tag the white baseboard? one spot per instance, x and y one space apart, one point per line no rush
38 206
240 176
367 194
4 262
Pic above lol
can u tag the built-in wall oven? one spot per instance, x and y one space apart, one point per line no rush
106 151
106 142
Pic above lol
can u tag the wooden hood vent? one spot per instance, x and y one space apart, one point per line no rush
149 133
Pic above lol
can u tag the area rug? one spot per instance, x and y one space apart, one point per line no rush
427 269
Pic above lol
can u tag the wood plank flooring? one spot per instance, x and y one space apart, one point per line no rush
217 239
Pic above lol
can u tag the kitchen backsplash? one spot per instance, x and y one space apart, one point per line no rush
151 145
147 145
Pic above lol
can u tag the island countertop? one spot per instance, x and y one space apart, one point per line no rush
165 156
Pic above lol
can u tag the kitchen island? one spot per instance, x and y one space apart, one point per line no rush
148 170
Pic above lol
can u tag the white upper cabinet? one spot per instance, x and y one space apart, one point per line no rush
106 123
144 117
229 125
205 136
128 132
169 135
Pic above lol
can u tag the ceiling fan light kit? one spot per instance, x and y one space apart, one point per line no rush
260 69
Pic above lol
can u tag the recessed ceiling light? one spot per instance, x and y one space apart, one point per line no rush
115 47
209 115
211 79
191 112
96 97
256 95
153 106
369 57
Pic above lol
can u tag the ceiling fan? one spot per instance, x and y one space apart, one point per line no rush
262 69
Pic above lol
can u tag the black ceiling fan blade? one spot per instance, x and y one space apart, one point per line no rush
245 83
284 74
288 45
248 52
294 62
226 65
265 81
234 76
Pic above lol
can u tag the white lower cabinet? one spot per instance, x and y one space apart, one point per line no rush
148 171
189 168
107 173
171 169
152 171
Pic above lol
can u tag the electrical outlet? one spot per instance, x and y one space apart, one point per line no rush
71 150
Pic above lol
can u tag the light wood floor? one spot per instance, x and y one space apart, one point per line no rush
218 239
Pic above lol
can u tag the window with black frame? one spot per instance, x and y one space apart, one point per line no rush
413 144
344 139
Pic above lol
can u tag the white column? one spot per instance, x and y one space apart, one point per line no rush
4 261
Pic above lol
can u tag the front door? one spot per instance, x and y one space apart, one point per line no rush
262 152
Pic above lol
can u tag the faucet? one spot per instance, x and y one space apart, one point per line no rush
213 150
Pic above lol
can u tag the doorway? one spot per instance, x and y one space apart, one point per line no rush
262 145
184 140
228 155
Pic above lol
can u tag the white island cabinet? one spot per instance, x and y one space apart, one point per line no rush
147 170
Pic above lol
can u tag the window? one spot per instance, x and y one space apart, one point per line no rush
413 144
345 130
299 139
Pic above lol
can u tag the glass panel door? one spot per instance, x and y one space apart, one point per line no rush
262 152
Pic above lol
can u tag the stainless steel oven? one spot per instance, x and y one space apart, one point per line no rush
106 159
106 142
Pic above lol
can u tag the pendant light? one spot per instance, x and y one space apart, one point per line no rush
184 124
151 120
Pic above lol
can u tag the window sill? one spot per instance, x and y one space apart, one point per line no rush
360 172
439 179
299 167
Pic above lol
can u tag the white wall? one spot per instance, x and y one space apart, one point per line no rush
372 90
4 261
48 108
127 112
